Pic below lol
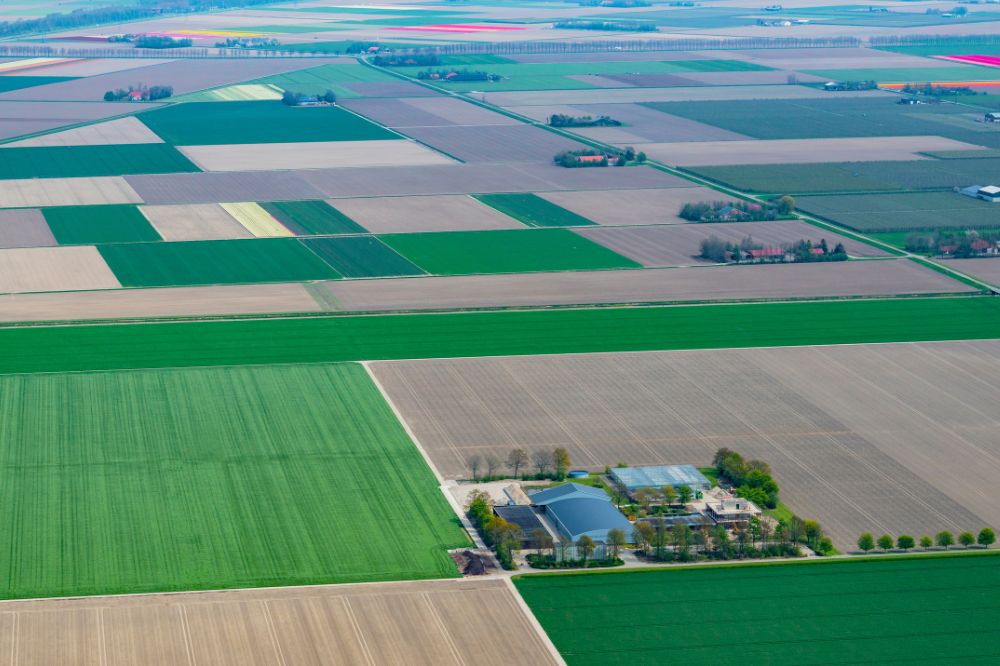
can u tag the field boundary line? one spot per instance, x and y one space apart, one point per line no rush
530 616
362 641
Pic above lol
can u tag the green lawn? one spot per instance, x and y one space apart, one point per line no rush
504 251
214 262
75 225
533 210
209 123
369 337
80 161
312 218
361 256
933 609
172 480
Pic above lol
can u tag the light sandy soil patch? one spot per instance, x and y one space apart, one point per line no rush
801 151
256 220
24 227
888 438
679 245
389 215
39 192
166 302
697 283
96 66
692 94
250 92
440 622
314 155
631 207
128 130
194 222
22 64
54 269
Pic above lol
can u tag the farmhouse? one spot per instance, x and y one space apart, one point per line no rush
658 476
989 193
727 510
575 510
992 117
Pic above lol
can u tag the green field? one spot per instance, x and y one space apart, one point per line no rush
361 257
928 74
533 210
171 480
504 251
214 262
8 83
209 123
366 337
316 80
856 176
903 212
76 225
932 609
312 218
80 161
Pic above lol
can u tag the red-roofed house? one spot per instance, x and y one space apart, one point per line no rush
134 96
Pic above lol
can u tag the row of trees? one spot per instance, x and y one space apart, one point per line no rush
623 4
944 539
547 464
719 251
565 120
500 535
609 26
955 243
290 98
150 94
248 43
589 157
457 75
750 478
416 59
728 211
758 538
160 42
558 555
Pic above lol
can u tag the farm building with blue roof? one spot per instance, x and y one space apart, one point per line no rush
576 510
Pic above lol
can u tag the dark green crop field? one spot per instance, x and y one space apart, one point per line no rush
8 83
212 478
312 218
504 251
903 212
533 210
927 609
378 337
210 123
74 225
80 161
214 262
361 256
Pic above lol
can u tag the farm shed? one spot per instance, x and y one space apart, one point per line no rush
576 510
525 518
989 193
658 476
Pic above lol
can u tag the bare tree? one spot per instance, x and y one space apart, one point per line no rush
492 464
616 541
642 535
585 547
475 462
541 460
517 459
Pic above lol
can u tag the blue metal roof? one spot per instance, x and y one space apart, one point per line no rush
582 515
661 475
567 491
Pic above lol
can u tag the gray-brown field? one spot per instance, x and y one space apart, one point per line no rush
436 111
801 151
19 118
165 302
54 269
36 192
679 244
691 94
987 269
96 66
194 222
127 130
434 622
896 438
449 212
24 227
494 143
630 207
698 283
312 155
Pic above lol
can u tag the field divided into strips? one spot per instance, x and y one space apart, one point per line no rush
909 74
244 93
938 609
212 123
214 262
504 251
533 210
903 212
338 78
361 257
348 338
116 223
256 220
196 479
80 161
855 176
312 218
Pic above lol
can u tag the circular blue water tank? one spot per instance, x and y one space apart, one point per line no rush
578 474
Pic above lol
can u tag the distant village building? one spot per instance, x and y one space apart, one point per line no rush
992 117
989 193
